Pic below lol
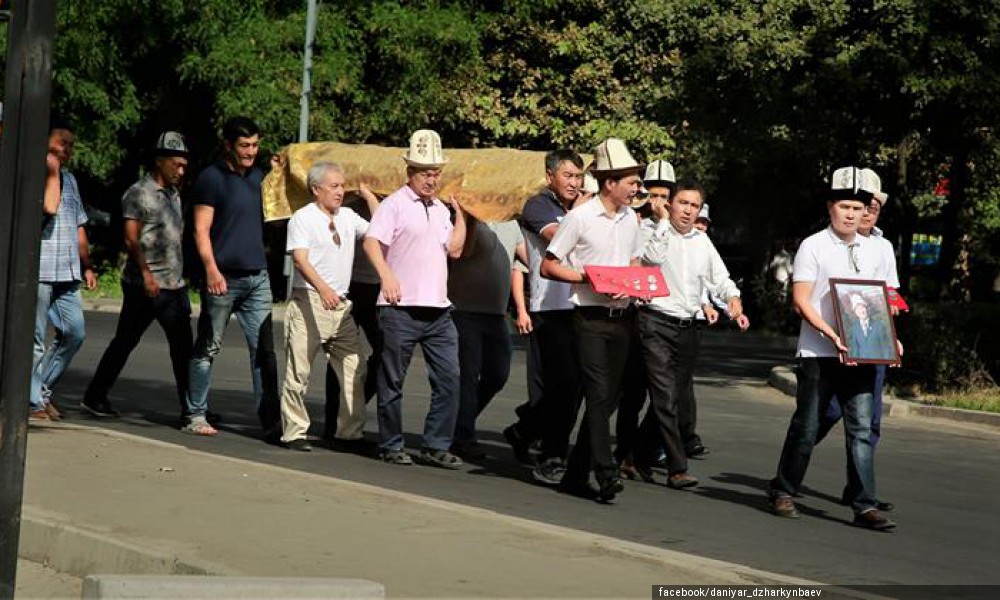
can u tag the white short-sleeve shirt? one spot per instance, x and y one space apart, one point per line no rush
309 229
823 256
589 236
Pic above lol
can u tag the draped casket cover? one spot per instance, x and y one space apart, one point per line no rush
492 184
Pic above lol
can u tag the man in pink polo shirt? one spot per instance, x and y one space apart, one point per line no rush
409 242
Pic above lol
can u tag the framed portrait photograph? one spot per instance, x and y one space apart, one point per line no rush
864 321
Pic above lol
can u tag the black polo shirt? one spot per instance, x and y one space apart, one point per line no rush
237 232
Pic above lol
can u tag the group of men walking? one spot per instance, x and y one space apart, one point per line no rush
444 280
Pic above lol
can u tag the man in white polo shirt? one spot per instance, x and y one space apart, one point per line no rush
602 232
835 252
321 239
868 229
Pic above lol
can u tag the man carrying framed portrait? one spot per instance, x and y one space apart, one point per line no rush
824 369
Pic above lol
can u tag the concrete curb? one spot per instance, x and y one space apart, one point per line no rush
783 379
159 586
50 539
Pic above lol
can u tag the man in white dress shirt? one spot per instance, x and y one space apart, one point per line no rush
602 232
668 330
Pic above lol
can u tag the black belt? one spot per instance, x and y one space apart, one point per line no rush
606 312
678 321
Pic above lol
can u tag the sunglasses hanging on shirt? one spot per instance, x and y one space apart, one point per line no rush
336 234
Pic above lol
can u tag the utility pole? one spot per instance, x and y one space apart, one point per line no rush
307 66
28 89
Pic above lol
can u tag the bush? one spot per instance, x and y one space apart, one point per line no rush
945 349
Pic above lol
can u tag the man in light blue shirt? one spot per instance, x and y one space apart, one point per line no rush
63 263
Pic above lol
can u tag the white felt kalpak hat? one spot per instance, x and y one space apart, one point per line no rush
425 150
851 183
872 184
703 213
612 158
659 173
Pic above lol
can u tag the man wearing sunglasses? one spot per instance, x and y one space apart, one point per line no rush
321 239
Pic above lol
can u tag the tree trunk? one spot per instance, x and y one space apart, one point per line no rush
954 265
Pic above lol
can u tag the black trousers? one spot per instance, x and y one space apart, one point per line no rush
172 310
633 398
554 387
670 351
365 314
604 343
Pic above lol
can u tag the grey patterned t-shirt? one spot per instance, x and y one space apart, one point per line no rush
161 219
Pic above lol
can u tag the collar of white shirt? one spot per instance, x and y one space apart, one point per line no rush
595 207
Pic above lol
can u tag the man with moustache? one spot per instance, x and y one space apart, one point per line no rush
409 242
229 235
553 379
153 285
835 252
321 239
668 330
602 232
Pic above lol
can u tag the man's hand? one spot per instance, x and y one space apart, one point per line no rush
391 291
216 283
711 315
89 278
329 297
659 208
735 306
524 324
743 322
365 192
52 165
149 283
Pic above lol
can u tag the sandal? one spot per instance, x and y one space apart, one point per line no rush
200 427
440 458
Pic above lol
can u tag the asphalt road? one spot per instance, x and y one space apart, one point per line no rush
943 478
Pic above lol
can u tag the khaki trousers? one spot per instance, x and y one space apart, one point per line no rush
309 327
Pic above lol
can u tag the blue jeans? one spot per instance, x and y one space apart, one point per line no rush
834 414
60 304
484 351
402 329
249 297
819 380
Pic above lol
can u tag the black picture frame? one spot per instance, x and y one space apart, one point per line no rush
864 321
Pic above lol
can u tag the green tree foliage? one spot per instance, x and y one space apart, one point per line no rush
758 98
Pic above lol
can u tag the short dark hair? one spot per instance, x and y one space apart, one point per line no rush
688 184
557 157
237 127
57 122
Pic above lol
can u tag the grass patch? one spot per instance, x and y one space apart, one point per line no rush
988 400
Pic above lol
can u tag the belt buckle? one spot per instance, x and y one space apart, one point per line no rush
616 311
685 322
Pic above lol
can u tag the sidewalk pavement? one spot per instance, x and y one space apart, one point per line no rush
35 581
98 501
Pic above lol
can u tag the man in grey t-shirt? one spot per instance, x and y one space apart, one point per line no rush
479 285
152 282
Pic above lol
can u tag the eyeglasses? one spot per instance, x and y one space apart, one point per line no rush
336 234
